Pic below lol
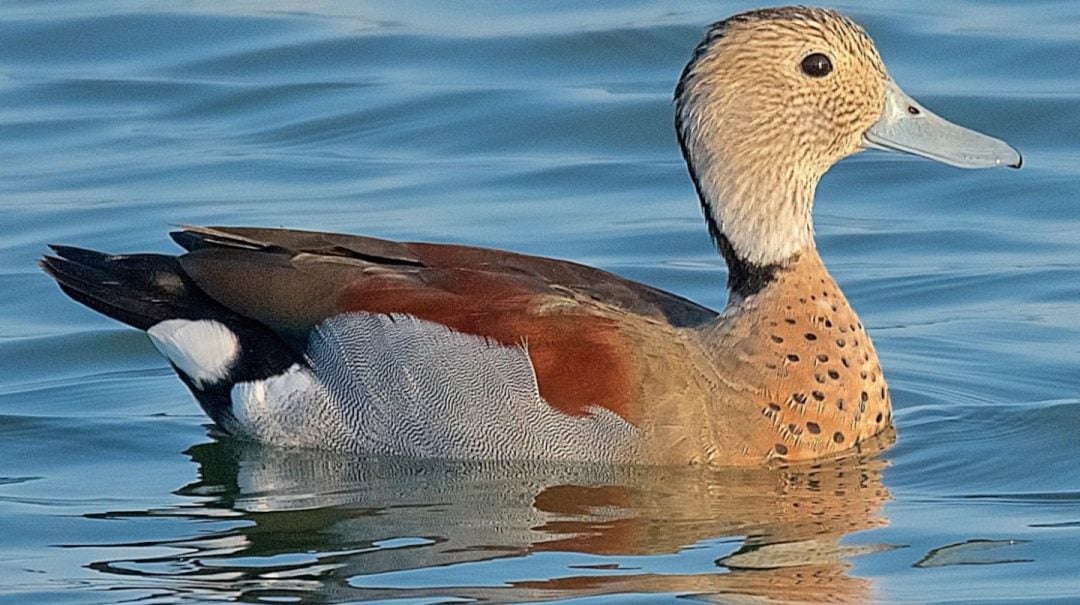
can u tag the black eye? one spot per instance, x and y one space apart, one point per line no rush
816 65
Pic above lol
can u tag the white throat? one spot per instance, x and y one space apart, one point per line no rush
758 197
765 213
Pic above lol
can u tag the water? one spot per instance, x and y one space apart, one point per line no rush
543 128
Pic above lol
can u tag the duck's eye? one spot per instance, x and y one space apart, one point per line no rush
816 65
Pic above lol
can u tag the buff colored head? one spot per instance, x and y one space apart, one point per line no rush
772 99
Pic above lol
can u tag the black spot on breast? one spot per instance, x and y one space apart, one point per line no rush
776 339
798 397
814 428
818 395
834 374
793 358
780 449
838 437
810 336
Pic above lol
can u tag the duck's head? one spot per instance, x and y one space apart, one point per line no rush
771 100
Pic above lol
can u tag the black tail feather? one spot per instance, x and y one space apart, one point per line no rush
139 290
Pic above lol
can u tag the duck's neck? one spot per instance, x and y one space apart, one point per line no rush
757 195
759 214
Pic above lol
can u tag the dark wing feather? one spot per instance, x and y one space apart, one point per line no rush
317 265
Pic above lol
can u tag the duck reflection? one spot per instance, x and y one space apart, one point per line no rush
314 526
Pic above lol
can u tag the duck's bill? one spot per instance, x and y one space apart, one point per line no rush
908 127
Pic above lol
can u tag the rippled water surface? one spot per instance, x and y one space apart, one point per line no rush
543 128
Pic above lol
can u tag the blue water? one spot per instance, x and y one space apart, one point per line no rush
543 128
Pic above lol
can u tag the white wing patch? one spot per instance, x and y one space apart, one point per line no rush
202 349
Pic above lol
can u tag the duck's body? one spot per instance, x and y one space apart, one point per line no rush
359 344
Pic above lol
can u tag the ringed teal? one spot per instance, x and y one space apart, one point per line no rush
321 340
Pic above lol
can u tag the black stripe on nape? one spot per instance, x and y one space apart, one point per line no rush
744 277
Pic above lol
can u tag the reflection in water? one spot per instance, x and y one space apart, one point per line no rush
973 552
318 526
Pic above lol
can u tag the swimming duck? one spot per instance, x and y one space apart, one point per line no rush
305 339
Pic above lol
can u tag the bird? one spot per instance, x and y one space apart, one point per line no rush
302 339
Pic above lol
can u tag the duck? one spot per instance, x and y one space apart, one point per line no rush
302 339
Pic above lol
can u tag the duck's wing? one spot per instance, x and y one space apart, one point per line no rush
566 316
435 264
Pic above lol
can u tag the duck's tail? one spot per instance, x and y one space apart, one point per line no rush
141 290
211 347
